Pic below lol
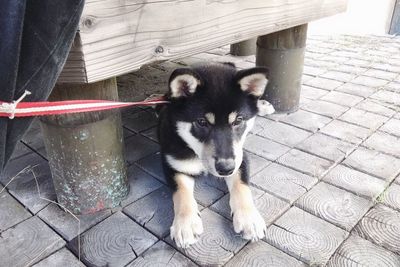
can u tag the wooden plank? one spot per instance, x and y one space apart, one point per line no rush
118 37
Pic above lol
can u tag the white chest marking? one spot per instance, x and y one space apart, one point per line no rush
192 166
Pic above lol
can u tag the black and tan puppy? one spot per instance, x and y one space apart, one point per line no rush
212 109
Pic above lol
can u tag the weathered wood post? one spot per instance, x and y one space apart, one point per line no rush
283 53
244 48
85 150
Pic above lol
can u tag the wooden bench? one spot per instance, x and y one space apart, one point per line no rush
116 37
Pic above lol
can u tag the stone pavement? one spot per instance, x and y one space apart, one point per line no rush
325 178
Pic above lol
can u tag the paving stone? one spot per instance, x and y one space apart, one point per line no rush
34 138
151 134
11 211
137 147
262 254
342 98
218 243
323 64
394 86
152 165
354 181
28 243
381 74
385 67
67 225
208 189
377 107
305 78
350 69
329 109
392 126
20 150
305 237
116 241
339 76
391 197
369 81
161 254
305 163
312 92
384 142
306 120
60 259
346 131
281 133
358 62
140 184
356 251
24 187
265 148
256 163
326 147
269 206
381 226
356 89
373 162
283 182
323 83
387 96
363 118
127 133
334 205
314 71
139 121
155 211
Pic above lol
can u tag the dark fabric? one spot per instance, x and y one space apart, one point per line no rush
35 37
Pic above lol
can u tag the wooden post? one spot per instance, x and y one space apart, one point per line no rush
244 48
283 53
85 150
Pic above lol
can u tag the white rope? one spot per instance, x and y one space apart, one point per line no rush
11 108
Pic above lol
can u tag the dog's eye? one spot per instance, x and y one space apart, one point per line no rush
202 122
238 121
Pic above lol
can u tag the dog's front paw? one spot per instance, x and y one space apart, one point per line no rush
250 223
186 229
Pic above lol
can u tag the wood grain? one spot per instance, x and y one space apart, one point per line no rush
118 37
391 197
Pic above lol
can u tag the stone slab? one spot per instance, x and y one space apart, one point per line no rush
326 147
380 225
363 118
356 251
11 211
384 142
334 205
374 162
381 74
342 98
218 243
116 241
323 83
139 121
354 181
28 243
152 165
264 147
391 197
263 254
306 120
162 254
377 107
305 163
312 92
339 76
67 225
283 182
137 147
282 133
392 127
60 259
256 163
325 108
346 131
356 89
305 237
369 81
387 96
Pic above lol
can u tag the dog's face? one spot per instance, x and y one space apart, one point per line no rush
213 108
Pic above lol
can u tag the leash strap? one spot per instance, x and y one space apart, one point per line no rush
29 109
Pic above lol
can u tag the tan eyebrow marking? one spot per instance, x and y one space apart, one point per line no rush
232 117
210 117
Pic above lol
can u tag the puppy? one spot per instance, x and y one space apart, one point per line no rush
202 130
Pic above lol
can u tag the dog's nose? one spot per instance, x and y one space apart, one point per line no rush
225 166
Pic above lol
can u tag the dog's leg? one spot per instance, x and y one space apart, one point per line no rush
246 218
187 224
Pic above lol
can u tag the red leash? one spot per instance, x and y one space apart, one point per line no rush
29 109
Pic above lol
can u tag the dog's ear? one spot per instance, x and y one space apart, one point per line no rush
183 83
253 81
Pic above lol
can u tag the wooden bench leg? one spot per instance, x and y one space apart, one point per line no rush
244 48
85 150
283 53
